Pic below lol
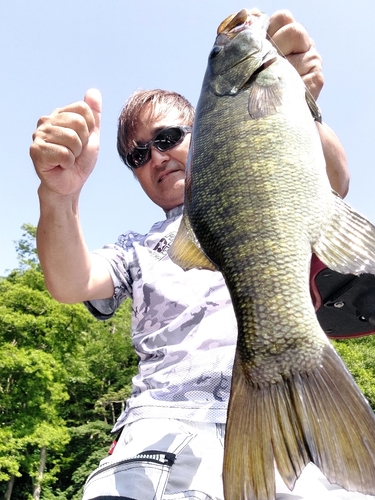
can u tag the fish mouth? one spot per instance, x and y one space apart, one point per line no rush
235 23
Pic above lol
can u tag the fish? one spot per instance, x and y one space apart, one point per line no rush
258 204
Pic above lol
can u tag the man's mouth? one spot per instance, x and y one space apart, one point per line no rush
162 177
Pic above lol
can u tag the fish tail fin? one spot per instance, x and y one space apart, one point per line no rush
319 416
347 243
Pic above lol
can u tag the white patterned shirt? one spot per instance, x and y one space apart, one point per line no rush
183 328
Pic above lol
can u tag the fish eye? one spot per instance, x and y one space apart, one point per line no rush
215 51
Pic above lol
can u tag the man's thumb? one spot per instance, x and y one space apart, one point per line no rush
93 98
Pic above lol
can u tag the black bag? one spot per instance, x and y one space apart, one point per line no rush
344 303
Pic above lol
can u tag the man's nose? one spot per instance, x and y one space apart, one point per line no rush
158 157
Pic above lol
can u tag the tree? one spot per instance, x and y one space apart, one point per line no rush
25 247
63 377
359 356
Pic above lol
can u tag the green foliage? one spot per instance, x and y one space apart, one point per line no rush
10 455
64 377
26 248
89 444
359 356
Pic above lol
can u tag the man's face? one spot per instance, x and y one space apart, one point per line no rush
163 176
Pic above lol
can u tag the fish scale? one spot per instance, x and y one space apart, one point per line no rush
257 204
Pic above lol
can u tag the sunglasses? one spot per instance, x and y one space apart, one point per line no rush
166 139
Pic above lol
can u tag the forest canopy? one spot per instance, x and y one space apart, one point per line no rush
64 379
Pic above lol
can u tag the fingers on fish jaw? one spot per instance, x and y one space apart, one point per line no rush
239 21
319 416
279 19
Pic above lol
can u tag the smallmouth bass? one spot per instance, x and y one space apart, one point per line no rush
258 203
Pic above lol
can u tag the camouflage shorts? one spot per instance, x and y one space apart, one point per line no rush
161 459
165 459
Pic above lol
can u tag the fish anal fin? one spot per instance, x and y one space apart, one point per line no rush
186 251
265 95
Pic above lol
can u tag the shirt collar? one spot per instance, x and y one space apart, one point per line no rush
174 212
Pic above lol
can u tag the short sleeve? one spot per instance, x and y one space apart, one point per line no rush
118 263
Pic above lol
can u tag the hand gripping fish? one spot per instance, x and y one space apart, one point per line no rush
257 204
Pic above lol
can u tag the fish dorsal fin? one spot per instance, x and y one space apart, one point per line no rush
265 95
313 107
186 250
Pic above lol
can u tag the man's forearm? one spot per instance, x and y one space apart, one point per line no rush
70 273
336 161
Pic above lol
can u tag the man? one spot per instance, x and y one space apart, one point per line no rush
183 327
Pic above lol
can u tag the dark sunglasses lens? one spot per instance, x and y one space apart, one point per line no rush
164 140
168 138
138 157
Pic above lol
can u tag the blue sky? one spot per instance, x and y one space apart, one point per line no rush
53 51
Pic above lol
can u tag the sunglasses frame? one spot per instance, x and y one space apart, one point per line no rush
184 129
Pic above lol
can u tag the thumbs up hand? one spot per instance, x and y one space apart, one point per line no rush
66 144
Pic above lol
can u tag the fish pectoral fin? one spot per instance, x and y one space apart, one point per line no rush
265 95
347 241
186 251
313 107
